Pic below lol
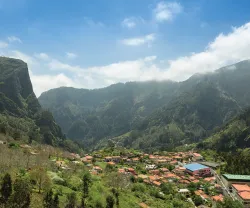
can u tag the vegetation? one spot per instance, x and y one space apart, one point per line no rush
151 115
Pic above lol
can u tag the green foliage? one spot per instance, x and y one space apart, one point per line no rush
197 200
110 202
21 194
6 188
229 203
71 200
86 183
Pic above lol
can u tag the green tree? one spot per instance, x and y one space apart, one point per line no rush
86 184
110 202
197 200
6 188
56 201
71 200
229 203
48 200
21 195
39 175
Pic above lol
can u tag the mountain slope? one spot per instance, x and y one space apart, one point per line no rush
235 134
20 112
159 114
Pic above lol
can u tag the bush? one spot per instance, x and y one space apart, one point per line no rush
139 187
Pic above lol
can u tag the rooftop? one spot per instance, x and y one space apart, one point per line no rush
237 177
195 166
241 187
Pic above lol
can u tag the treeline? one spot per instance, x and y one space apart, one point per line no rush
18 193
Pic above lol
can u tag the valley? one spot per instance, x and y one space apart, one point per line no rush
138 144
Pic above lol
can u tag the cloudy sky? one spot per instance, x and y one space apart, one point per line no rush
95 43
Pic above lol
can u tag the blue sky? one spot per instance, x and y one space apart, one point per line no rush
95 43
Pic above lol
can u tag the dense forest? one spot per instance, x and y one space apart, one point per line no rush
151 115
231 143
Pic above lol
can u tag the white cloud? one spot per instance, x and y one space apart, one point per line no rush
225 49
3 44
14 39
165 11
71 55
43 83
57 65
147 39
129 22
42 56
19 55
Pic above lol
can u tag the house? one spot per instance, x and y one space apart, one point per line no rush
184 192
170 176
131 170
201 194
157 183
97 169
151 167
180 171
142 176
164 170
111 163
197 157
60 163
107 159
154 172
196 169
135 160
229 179
218 198
143 205
242 193
121 170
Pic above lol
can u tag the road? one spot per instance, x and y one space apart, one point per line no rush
220 182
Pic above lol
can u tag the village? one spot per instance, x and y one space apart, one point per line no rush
186 174
186 171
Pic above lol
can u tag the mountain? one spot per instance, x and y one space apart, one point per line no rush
230 137
150 115
21 115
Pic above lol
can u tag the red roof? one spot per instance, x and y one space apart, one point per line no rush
156 183
241 187
245 195
197 154
143 205
218 197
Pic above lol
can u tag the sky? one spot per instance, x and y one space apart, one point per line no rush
96 43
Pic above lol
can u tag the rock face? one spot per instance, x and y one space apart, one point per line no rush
18 101
16 92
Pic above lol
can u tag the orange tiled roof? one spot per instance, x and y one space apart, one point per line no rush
245 195
143 205
156 183
218 197
241 187
111 163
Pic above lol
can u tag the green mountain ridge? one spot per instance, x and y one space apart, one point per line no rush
158 115
21 115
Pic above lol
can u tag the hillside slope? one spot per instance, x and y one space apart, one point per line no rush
160 114
20 112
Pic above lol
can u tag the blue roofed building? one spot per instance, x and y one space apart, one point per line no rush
197 169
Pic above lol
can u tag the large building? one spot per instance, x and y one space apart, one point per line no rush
242 193
229 179
196 169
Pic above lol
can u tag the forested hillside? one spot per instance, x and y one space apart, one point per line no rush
152 114
21 115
